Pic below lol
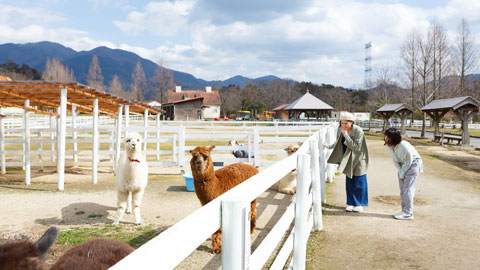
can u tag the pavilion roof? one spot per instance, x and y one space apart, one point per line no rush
308 102
394 107
45 95
450 103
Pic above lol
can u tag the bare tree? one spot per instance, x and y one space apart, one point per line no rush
116 87
424 69
94 76
442 64
409 56
56 71
466 55
138 82
161 81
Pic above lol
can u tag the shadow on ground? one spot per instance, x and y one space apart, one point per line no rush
80 213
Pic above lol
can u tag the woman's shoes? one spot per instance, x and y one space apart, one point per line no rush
351 208
358 209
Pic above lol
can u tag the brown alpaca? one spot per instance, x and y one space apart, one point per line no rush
95 254
210 184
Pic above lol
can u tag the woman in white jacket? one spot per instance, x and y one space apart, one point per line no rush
409 165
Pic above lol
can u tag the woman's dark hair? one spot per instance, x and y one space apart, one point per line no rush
393 135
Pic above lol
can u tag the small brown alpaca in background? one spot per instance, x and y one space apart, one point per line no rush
95 254
210 184
288 183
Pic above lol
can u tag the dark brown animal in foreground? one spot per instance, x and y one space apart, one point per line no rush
95 254
210 184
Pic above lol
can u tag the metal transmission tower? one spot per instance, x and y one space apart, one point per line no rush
367 83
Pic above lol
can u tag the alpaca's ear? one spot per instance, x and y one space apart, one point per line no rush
191 151
43 244
211 147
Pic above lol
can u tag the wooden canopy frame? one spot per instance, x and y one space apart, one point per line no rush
401 109
463 107
45 95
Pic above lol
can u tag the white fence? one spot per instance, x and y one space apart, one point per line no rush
37 145
230 211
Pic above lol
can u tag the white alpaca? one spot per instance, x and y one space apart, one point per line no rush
132 178
288 183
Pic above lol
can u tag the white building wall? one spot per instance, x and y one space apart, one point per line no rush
210 112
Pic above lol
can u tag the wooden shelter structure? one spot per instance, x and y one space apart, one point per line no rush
401 109
463 107
55 98
307 104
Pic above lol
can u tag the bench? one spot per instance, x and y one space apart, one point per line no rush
440 138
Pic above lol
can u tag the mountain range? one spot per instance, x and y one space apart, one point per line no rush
112 61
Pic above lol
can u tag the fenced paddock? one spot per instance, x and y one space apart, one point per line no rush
230 212
95 144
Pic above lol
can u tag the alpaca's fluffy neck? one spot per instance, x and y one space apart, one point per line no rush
135 154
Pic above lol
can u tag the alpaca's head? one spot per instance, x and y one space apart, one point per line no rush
27 255
201 158
133 142
233 143
291 148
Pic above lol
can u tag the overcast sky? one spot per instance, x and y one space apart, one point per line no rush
320 41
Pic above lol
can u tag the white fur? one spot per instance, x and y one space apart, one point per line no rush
132 178
288 183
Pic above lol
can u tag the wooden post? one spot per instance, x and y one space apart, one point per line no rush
235 235
118 136
127 119
316 185
40 150
145 132
61 139
2 144
52 137
301 213
74 126
157 124
256 146
95 142
26 115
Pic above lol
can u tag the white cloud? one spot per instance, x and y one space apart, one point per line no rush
159 18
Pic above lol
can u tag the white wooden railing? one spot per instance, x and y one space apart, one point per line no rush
230 211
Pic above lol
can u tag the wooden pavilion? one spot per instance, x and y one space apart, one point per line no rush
55 98
463 107
308 103
401 109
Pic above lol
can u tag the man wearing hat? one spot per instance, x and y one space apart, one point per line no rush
350 152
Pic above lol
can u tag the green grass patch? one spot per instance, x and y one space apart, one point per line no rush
95 215
134 236
80 213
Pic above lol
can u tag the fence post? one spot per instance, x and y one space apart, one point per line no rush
127 118
256 146
52 137
145 132
301 212
26 116
61 139
181 147
157 124
95 142
118 136
323 166
235 235
74 126
316 186
330 138
2 143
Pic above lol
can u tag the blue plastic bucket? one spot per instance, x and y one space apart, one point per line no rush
189 181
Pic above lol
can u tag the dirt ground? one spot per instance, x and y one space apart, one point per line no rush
444 234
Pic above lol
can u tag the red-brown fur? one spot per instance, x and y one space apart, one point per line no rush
95 254
20 255
210 184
